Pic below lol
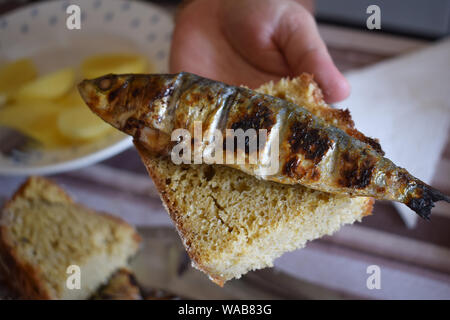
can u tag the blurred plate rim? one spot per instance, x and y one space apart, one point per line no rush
76 163
78 159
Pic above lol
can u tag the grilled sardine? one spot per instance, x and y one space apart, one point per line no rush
312 152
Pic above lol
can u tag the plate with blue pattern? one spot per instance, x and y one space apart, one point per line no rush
40 32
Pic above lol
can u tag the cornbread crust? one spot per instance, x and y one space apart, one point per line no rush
236 257
22 276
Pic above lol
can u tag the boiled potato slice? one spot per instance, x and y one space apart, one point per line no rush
25 113
79 123
15 74
71 99
37 119
3 99
49 86
100 65
47 132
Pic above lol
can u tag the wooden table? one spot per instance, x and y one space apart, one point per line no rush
418 259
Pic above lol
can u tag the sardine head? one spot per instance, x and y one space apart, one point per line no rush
104 96
127 99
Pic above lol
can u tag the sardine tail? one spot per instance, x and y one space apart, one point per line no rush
423 205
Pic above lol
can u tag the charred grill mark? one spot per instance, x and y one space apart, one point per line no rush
311 142
152 91
209 173
290 167
402 176
113 94
295 170
261 117
159 88
342 118
161 92
133 123
356 169
371 142
374 144
200 95
345 118
118 95
136 92
210 98
420 201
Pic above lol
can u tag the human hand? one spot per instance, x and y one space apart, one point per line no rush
251 42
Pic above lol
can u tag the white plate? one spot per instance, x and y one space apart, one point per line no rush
107 26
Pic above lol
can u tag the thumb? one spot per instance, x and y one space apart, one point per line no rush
299 40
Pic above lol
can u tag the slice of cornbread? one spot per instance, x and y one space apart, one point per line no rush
121 286
231 222
43 232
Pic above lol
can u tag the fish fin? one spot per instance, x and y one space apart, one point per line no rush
423 205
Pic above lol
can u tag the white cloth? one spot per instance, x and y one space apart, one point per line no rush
405 103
